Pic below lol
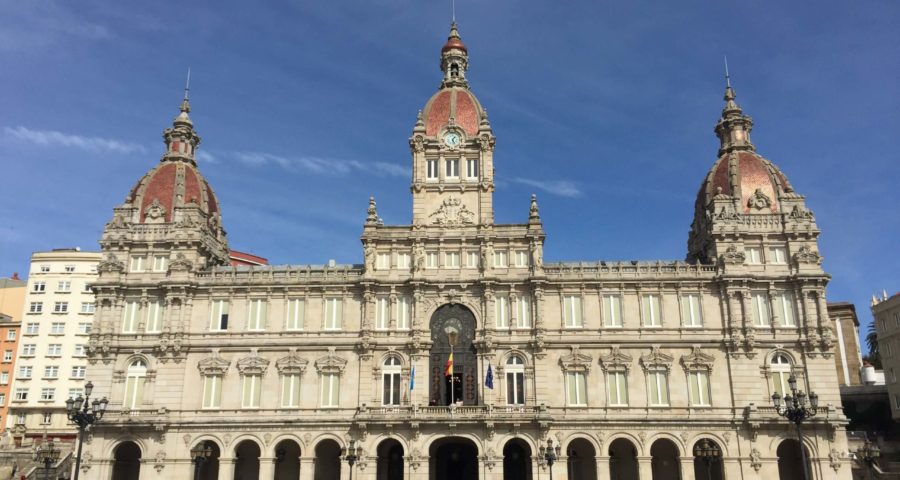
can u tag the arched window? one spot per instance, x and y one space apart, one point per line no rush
390 379
454 70
515 380
781 371
134 384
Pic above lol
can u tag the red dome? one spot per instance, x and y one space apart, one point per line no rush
454 42
170 185
456 103
745 174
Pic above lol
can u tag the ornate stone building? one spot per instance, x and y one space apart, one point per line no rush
627 366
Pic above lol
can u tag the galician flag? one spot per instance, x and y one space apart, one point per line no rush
489 378
412 378
448 370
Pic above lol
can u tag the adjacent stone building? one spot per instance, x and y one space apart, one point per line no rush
886 313
12 297
627 366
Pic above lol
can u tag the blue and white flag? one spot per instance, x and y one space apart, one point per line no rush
412 378
489 378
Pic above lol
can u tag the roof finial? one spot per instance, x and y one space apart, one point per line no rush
727 76
453 10
185 103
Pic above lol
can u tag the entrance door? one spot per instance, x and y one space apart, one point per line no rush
448 321
453 459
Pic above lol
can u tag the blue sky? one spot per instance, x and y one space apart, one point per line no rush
605 109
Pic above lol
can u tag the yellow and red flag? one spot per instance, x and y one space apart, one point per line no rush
448 369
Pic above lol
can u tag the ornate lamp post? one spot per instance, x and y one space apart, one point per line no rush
351 455
868 454
550 454
797 408
199 455
47 453
84 413
709 453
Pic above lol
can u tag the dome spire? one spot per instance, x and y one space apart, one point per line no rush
454 60
733 129
181 139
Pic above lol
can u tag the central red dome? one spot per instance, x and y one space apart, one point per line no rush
457 103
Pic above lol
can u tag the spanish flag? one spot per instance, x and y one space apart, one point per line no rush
448 370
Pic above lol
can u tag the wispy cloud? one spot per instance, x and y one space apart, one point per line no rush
323 166
50 138
563 188
206 157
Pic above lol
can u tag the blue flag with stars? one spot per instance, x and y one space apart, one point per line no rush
489 378
412 378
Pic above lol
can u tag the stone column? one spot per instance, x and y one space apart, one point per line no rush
603 472
266 468
226 468
146 470
645 467
687 468
732 468
307 468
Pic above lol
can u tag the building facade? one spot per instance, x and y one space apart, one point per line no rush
848 356
454 350
12 297
886 313
51 362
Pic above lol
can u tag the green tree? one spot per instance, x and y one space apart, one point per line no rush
874 357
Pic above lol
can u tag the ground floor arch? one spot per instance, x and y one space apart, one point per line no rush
517 464
623 463
126 461
664 461
390 460
708 463
453 458
790 463
581 459
328 460
246 461
209 468
287 460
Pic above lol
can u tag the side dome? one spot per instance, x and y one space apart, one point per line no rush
755 182
454 105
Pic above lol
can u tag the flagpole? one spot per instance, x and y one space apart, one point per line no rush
452 393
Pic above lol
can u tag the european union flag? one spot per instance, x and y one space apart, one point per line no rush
412 378
489 378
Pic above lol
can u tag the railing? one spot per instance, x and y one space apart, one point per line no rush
283 273
627 269
447 412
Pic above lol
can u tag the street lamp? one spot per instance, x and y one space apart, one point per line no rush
48 454
200 454
84 413
709 453
869 454
351 455
550 454
797 408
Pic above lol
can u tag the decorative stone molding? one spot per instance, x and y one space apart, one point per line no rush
697 360
616 360
733 256
159 462
759 201
656 360
111 264
576 361
214 365
755 460
331 363
291 364
807 255
252 365
800 214
452 213
181 264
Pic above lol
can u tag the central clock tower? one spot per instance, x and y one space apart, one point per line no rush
452 150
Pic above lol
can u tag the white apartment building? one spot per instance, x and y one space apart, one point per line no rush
52 364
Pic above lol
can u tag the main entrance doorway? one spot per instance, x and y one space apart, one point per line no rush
453 324
453 458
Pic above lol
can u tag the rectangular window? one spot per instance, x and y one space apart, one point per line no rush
60 307
403 260
134 392
46 418
7 356
331 388
54 350
403 312
79 351
699 385
87 288
451 259
759 306
471 259
501 259
212 391
893 376
452 167
383 261
617 385
78 371
256 315
521 259
691 315
84 328
612 310
523 311
432 165
431 260
24 371
130 317
48 394
76 392
658 388
753 255
390 388
39 287
138 263
577 388
160 263
290 391
251 392
153 319
501 311
22 394
296 313
29 349
650 309
20 417
777 255
382 313
32 328
51 371
36 307
69 268
2 399
88 307
45 268
472 168
57 328
218 316
333 313
572 311
784 309
515 387
64 286
4 378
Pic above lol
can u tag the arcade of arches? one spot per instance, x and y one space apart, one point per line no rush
458 458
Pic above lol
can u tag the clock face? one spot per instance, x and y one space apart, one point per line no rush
452 139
